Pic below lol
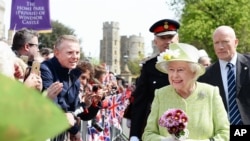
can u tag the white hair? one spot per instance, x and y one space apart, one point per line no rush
7 60
194 67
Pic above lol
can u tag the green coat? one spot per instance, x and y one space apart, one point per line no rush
207 117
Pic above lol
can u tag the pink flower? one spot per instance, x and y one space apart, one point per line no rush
175 120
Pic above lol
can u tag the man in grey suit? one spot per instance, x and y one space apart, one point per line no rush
225 44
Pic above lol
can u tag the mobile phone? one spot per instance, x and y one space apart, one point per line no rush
24 58
35 68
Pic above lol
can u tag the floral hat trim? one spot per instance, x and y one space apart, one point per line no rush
178 52
168 55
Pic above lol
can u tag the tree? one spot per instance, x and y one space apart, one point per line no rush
199 18
58 29
48 39
134 66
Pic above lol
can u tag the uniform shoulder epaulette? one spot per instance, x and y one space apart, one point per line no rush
143 61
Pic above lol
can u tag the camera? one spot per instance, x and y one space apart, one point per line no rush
97 126
114 90
113 87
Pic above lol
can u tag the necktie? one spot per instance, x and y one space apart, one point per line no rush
234 113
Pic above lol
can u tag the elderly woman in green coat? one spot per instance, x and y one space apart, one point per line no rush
206 118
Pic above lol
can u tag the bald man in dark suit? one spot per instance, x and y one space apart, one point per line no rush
225 44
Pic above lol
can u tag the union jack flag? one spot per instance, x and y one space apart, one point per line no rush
113 114
94 135
116 107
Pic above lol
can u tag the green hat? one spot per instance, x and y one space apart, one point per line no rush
179 52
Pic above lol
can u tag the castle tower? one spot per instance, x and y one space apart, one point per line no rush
110 46
132 47
116 50
155 49
2 26
136 47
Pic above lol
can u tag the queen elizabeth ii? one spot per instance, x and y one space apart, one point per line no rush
207 117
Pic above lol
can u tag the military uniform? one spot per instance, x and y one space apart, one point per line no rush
149 80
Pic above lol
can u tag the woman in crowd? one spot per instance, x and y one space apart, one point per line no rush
46 53
207 117
14 68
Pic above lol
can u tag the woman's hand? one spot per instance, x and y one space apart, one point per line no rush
71 119
34 81
87 98
169 139
19 73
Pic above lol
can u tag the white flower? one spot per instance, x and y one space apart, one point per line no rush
168 55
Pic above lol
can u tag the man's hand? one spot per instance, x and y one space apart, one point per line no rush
54 89
76 137
71 119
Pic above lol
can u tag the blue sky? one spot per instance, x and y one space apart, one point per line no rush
86 17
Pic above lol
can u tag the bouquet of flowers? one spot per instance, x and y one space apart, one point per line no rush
175 120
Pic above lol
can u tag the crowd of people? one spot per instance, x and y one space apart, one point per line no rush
83 91
95 100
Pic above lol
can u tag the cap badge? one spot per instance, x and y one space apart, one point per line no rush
166 25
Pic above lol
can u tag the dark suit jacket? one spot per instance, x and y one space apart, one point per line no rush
213 76
149 80
68 99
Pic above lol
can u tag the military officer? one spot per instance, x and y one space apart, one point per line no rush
165 32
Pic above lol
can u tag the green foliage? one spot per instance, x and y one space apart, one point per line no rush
199 19
134 67
58 29
25 110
